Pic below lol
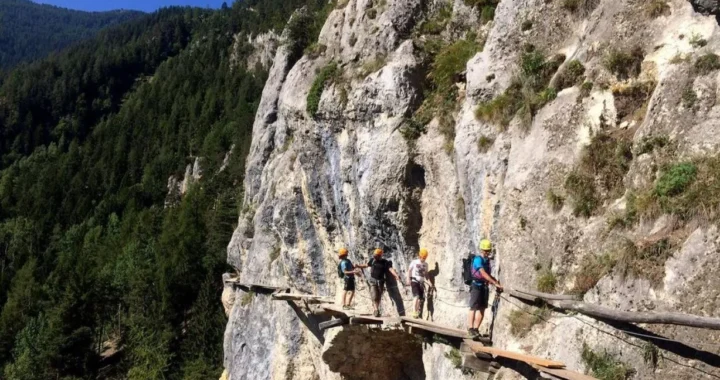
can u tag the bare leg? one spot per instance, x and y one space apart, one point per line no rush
345 298
478 318
471 318
352 294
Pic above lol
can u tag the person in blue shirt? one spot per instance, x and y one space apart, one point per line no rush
479 292
348 271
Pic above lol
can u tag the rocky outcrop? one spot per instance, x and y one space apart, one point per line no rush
346 177
706 6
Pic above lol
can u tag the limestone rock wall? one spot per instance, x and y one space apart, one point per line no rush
346 177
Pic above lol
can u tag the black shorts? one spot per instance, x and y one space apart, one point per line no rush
418 290
349 283
478 297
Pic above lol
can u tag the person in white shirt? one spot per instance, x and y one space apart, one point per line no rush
417 277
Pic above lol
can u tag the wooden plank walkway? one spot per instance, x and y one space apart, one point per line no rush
481 351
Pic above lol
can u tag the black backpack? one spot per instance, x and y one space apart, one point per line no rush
467 269
341 272
378 268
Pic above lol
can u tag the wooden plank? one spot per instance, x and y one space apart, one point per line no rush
364 321
477 347
437 330
434 325
472 362
563 373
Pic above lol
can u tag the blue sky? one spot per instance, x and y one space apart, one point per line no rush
141 5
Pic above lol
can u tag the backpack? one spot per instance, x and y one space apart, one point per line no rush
378 268
341 272
467 269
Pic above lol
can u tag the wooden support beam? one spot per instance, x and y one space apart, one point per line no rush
333 323
467 349
606 313
437 330
544 296
364 321
563 373
474 363
477 347
309 298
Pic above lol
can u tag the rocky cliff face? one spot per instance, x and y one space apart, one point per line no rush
567 182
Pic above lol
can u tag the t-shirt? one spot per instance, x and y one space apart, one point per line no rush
480 262
378 268
347 266
418 270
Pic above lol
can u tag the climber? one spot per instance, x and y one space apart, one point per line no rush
479 292
347 271
417 277
379 268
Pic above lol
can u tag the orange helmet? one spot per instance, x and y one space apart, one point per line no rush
342 252
378 252
423 253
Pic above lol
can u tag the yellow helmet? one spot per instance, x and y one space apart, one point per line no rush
378 252
423 253
342 252
485 245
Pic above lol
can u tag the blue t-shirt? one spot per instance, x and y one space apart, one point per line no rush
347 266
480 262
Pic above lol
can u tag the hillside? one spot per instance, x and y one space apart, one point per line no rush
121 161
29 30
578 135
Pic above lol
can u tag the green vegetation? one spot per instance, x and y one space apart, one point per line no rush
571 75
600 173
484 143
707 63
585 89
556 201
315 50
646 261
455 357
624 63
303 28
592 269
441 94
523 320
486 7
687 190
546 281
527 92
91 251
438 21
676 180
629 217
657 8
651 355
31 31
648 144
604 366
697 41
327 75
487 14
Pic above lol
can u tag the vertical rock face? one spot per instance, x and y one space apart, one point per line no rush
346 177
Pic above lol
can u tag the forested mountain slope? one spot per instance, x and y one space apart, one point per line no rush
102 272
29 30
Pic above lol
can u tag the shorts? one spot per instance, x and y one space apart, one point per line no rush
478 297
349 283
376 289
418 290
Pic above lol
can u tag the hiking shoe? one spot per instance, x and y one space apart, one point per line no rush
416 315
473 332
377 313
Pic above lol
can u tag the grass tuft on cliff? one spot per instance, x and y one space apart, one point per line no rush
523 320
605 366
325 77
527 93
